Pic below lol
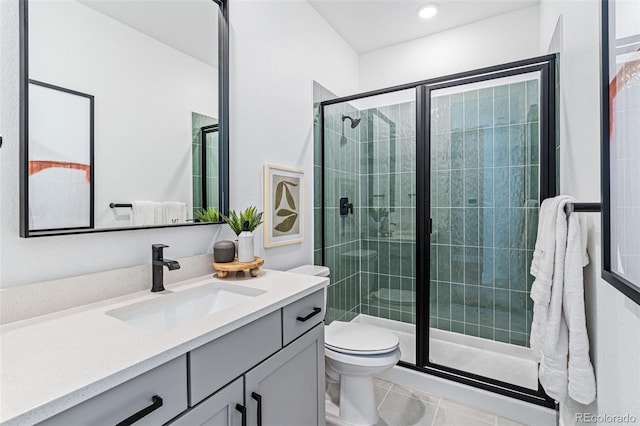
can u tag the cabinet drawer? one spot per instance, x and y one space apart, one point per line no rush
215 364
300 316
168 381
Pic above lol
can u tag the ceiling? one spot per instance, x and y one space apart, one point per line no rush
372 24
190 26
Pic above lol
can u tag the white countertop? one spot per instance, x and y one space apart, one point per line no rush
54 362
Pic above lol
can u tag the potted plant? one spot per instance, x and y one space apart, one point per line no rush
243 224
236 220
208 215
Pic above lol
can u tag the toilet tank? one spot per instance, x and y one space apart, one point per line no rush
315 270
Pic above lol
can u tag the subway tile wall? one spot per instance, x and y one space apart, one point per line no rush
388 211
341 173
484 191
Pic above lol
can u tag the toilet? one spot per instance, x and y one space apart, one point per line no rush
354 354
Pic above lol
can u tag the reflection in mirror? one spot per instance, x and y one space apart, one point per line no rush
122 115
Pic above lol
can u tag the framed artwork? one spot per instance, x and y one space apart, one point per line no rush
60 181
283 206
621 145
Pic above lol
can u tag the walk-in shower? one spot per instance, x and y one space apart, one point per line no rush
446 176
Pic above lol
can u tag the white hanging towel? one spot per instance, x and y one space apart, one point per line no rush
542 269
158 213
558 332
143 213
582 380
174 212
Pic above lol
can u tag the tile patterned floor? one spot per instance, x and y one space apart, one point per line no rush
402 406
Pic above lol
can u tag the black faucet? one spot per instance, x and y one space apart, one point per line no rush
157 263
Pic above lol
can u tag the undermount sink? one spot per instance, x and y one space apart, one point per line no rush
171 310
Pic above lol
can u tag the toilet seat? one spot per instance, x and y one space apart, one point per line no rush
359 339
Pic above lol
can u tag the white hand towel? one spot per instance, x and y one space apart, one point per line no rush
555 340
174 212
582 381
158 214
558 333
542 269
142 213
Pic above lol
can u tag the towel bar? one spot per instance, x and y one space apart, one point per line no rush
114 205
583 208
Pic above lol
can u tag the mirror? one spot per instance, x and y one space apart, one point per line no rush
123 114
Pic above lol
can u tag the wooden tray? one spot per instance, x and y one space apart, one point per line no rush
223 269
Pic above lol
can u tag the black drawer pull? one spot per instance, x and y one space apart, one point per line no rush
157 403
258 398
315 312
243 411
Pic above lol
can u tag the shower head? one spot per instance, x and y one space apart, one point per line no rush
354 121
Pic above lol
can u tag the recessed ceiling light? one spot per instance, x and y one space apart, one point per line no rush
428 11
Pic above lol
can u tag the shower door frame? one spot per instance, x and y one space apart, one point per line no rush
548 187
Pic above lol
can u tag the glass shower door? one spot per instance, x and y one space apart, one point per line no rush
484 198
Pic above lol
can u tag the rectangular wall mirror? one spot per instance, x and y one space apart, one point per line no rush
620 146
124 114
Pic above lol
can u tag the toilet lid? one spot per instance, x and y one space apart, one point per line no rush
360 339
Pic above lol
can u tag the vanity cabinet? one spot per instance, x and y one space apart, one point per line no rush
269 372
138 396
288 388
215 364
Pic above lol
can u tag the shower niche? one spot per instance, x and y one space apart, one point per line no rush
446 177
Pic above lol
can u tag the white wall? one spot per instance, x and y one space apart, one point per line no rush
613 320
277 50
504 38
144 93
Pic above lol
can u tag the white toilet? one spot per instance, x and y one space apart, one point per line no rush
354 353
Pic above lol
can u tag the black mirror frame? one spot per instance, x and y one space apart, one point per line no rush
223 132
629 289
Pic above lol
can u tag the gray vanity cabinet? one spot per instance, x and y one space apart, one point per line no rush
269 372
224 408
287 389
136 397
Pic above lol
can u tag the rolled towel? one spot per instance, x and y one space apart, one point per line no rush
174 212
158 214
143 213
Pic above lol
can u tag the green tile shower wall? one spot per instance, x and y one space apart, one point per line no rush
342 240
484 177
198 121
388 211
484 189
368 161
